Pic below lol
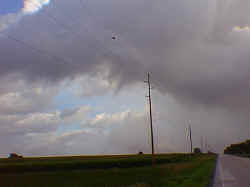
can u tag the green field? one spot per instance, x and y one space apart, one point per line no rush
180 170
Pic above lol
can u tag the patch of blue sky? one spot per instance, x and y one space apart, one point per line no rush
68 128
10 6
66 99
108 103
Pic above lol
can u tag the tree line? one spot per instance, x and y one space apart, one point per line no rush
239 148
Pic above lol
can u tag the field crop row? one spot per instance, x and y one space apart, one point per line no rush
178 170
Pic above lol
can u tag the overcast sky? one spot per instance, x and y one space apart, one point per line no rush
66 87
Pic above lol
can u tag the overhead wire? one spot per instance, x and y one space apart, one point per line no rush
35 49
65 27
55 20
47 53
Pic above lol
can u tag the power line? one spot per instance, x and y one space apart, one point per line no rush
41 51
59 23
54 19
35 49
68 29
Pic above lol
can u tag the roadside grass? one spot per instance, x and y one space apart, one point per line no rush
175 170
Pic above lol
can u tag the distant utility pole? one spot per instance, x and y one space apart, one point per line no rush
190 137
202 150
151 120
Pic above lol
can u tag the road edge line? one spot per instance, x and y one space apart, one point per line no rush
212 180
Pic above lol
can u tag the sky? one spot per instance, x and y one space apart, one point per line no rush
11 6
68 88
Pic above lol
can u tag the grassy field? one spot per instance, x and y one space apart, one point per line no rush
122 171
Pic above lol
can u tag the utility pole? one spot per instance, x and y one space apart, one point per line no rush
151 120
202 150
190 137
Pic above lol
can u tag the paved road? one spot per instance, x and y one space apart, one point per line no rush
232 171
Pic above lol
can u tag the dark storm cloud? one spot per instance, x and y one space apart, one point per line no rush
189 46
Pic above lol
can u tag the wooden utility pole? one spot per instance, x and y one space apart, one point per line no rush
151 120
190 137
201 148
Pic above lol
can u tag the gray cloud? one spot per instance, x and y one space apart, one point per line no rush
181 43
189 47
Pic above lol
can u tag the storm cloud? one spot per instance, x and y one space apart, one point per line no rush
197 53
188 46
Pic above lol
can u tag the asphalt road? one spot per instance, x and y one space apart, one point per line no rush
232 171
